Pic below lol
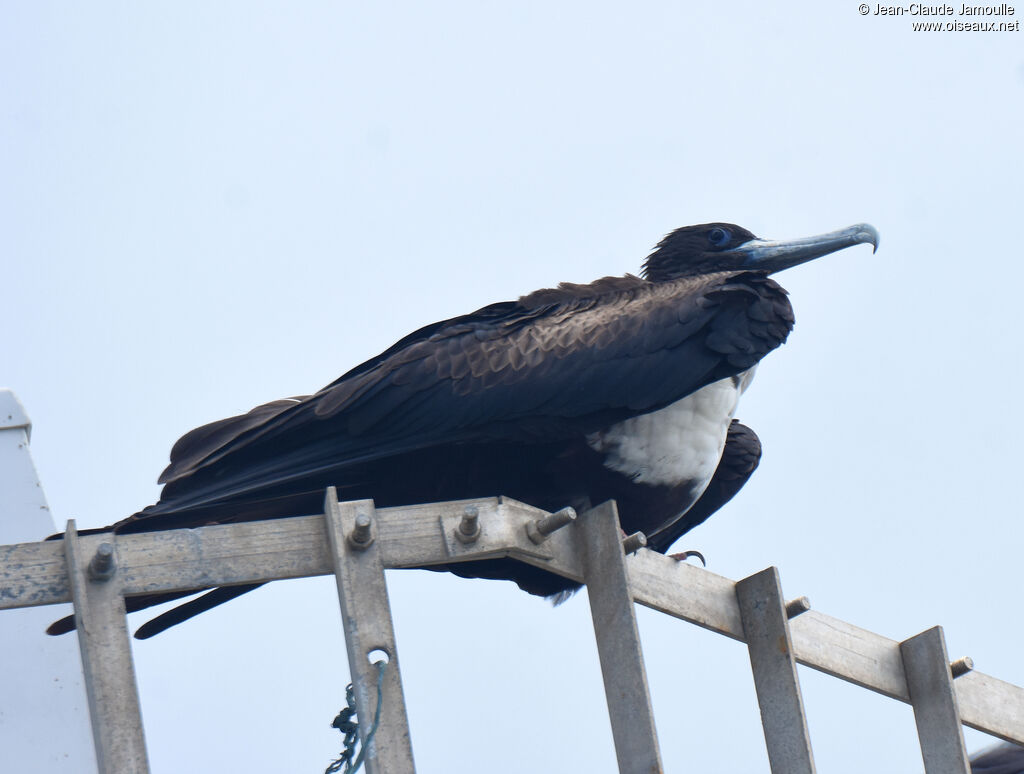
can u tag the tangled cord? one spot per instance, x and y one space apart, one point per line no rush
350 728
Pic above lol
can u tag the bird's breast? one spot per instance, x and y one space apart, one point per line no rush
681 443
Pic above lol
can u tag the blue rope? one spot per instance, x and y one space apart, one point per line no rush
350 728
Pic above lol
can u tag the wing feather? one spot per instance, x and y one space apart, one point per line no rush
556 362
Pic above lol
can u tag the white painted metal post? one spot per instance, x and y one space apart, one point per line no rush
106 657
618 640
369 633
930 683
766 630
43 690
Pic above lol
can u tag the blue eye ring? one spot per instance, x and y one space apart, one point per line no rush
719 237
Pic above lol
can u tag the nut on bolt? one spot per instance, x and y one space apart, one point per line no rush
539 529
797 606
469 528
633 543
361 536
961 666
102 566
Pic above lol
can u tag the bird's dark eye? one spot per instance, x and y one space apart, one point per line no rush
719 237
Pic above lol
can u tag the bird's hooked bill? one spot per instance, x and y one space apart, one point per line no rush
775 255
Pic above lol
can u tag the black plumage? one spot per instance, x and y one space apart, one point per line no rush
1001 759
515 399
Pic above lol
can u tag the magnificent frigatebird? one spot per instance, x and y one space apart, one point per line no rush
623 389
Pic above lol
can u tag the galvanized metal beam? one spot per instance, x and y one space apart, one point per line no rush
352 534
35 574
256 551
106 656
618 640
933 696
766 629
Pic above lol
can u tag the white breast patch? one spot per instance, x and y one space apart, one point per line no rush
681 442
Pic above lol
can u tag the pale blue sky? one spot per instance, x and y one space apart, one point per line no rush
207 206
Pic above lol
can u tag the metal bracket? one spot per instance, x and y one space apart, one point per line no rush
468 536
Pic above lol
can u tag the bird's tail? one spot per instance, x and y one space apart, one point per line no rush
166 620
166 515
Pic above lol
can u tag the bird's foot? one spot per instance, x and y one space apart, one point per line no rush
682 557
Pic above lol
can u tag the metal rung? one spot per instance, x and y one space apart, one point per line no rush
766 629
369 632
618 641
930 683
106 657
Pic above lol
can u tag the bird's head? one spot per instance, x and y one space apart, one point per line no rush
713 247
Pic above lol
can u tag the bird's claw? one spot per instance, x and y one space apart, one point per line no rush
682 557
